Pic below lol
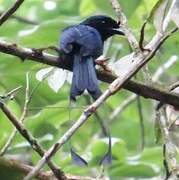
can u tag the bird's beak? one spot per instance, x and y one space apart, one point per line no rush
117 31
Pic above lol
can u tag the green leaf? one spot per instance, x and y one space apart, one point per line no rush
157 14
8 171
55 115
137 170
100 147
174 12
46 34
152 155
129 9
105 6
87 7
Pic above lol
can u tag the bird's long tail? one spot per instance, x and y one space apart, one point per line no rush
84 77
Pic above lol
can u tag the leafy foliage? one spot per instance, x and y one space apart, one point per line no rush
48 114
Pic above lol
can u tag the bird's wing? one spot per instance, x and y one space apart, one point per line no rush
86 37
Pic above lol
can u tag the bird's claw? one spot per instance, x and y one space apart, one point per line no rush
102 62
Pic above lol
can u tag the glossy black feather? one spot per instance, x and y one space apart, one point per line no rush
83 43
78 160
84 77
107 158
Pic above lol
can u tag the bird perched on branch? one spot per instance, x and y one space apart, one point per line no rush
83 43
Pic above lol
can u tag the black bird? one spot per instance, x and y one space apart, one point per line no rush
83 43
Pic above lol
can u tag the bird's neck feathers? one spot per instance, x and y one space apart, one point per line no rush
105 33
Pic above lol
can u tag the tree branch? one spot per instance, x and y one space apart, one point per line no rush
124 25
170 150
136 87
10 11
159 72
28 136
22 118
22 19
25 169
141 121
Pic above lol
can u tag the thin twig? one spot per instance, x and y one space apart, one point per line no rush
38 84
124 25
122 107
10 95
147 74
168 173
10 11
168 16
142 35
158 73
170 150
142 127
33 142
173 86
99 119
28 98
22 19
22 118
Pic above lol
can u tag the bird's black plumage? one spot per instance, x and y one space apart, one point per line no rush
83 43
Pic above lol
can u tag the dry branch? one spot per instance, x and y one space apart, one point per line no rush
25 169
22 19
10 11
170 154
159 72
124 25
28 136
136 87
22 118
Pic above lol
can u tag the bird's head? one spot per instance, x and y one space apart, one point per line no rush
105 25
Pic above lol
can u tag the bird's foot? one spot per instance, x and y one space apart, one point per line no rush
39 51
102 62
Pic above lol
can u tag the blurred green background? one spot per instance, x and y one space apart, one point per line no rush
47 124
